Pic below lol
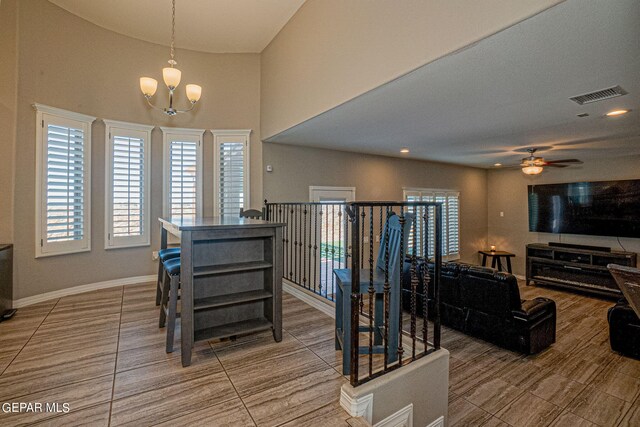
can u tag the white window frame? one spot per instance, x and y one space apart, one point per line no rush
115 128
187 135
44 116
221 136
407 191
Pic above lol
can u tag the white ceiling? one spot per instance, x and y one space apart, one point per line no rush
510 91
219 26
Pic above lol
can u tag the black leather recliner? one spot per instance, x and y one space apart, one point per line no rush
624 330
485 303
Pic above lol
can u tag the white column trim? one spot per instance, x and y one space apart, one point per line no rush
357 406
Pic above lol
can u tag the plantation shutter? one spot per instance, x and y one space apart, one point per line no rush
453 224
128 186
127 216
231 178
65 184
63 181
450 222
183 176
231 160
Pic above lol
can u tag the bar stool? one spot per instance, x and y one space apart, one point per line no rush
169 302
164 255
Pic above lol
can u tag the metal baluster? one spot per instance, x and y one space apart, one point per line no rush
371 289
414 288
333 248
299 237
362 238
315 247
293 248
310 246
362 246
386 290
294 240
304 250
326 247
340 237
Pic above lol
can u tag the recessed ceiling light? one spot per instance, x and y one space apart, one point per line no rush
497 165
404 150
617 113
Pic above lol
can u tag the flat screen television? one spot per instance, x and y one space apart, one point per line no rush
601 208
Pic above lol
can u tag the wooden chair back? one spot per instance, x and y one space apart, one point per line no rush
252 213
392 231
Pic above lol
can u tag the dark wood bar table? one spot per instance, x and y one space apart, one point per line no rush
230 277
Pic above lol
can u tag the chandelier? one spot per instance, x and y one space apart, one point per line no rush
171 76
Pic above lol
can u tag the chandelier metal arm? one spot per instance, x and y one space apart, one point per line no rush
170 111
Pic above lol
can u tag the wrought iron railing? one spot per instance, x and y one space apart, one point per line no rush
321 237
315 243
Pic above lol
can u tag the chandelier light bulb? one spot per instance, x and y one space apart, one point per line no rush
171 77
148 86
193 93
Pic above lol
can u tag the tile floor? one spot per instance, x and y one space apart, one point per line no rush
102 353
579 381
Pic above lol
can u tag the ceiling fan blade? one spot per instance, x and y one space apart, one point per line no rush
550 162
556 165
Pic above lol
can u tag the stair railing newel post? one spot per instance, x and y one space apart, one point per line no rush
437 275
386 289
425 282
414 288
400 269
372 290
354 211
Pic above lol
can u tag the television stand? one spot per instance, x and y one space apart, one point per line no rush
575 267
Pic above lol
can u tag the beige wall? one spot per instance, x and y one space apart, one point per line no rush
334 50
507 192
378 178
69 63
8 100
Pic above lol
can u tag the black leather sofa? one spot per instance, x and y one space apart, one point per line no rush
485 303
624 330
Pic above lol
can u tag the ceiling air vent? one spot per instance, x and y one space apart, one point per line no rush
600 95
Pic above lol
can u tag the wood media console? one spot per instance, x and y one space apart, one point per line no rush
576 267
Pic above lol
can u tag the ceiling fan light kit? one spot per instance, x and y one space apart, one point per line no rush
533 165
532 170
171 77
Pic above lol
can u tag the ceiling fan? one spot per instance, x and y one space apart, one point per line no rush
534 165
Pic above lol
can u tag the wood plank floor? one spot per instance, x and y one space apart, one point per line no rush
103 353
578 381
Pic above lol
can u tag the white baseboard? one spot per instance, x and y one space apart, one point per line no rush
23 302
402 418
315 301
358 406
439 422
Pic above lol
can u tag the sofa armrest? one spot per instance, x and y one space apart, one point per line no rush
532 309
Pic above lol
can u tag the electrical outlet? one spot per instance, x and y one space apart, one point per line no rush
377 238
154 255
366 239
501 213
